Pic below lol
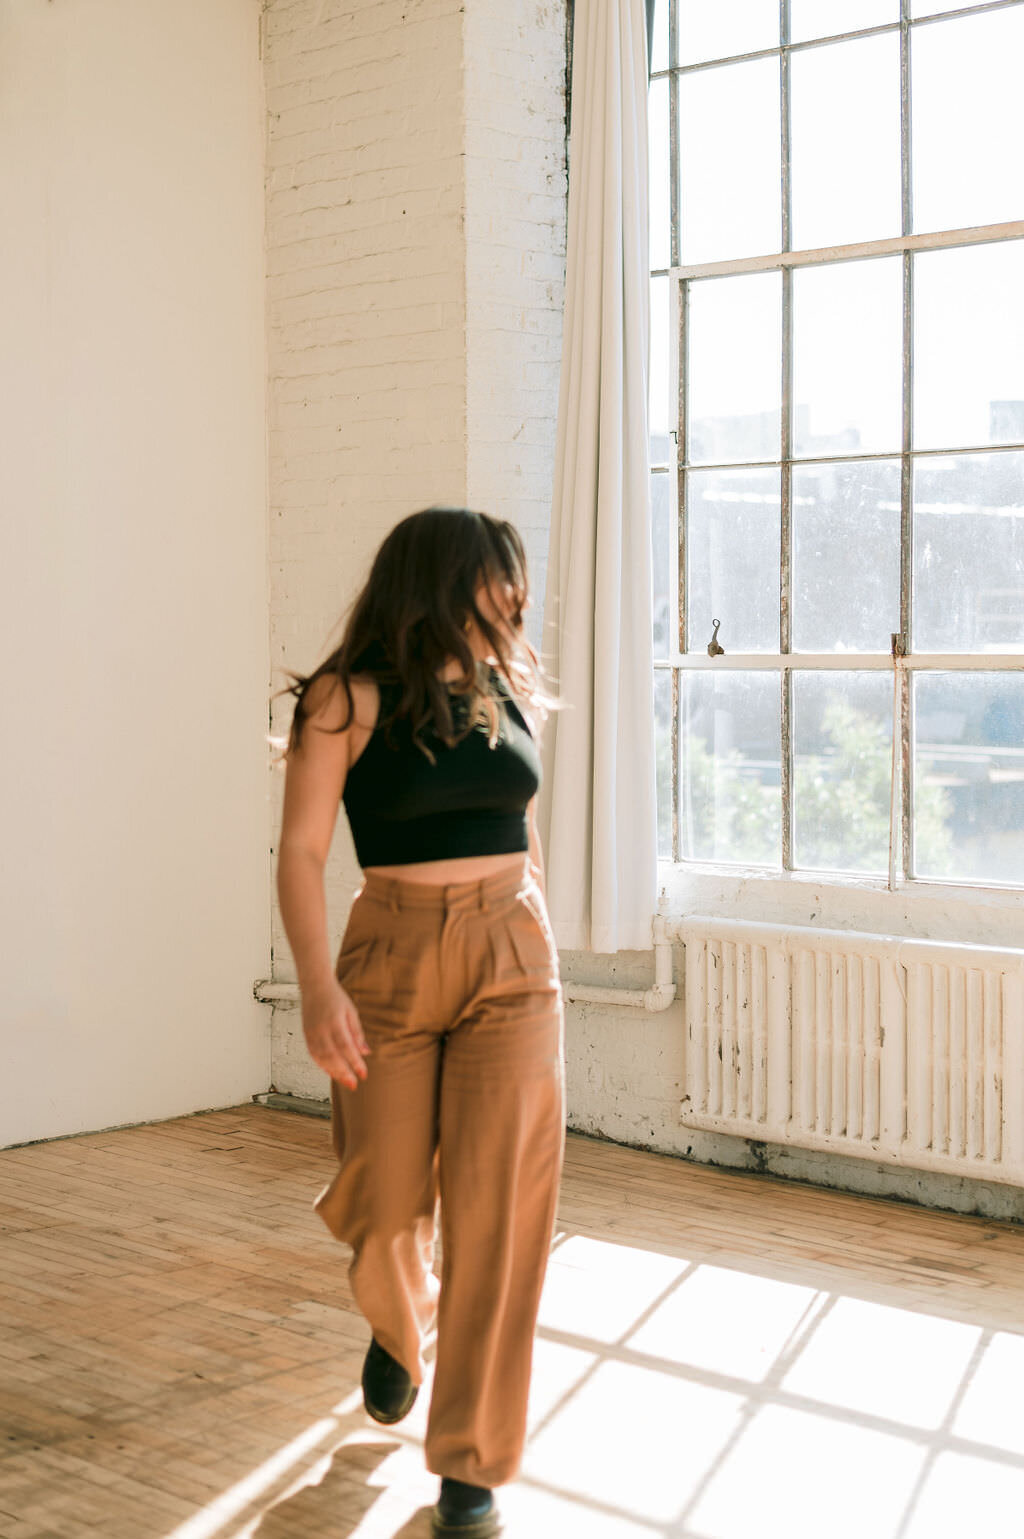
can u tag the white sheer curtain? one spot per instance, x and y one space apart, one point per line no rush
597 810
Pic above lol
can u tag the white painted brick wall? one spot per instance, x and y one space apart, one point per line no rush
515 263
415 262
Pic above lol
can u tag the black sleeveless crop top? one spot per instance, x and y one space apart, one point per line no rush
471 801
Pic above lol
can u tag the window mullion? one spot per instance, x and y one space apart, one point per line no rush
844 662
674 717
677 304
681 318
906 186
905 686
786 126
786 455
856 251
673 131
901 680
680 294
786 571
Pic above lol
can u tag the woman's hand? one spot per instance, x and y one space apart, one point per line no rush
334 1034
312 796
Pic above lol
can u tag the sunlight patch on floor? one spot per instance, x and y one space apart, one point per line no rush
965 1495
677 1399
726 1322
682 1399
735 1406
794 1475
886 1362
990 1411
598 1290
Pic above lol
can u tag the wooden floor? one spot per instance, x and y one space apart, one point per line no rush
720 1356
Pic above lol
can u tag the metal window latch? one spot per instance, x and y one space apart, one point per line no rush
899 645
714 650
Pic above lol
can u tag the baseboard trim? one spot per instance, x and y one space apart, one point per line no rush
293 1103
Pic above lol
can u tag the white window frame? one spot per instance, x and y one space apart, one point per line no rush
685 879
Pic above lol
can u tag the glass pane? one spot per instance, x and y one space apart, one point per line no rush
969 346
730 758
826 18
967 160
660 174
659 36
663 758
848 358
725 28
937 7
846 556
730 197
661 410
842 746
969 776
732 559
662 525
734 345
969 554
846 160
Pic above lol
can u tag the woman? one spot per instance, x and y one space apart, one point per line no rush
441 1025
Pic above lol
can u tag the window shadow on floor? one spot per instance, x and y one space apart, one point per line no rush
353 1482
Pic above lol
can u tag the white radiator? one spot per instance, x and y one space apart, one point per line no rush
903 1051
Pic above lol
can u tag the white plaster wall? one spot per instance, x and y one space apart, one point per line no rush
134 908
415 228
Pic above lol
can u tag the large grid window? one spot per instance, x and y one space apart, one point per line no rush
837 431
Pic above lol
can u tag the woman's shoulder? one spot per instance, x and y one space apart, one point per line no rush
327 703
366 697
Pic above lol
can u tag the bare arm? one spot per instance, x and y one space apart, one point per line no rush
536 857
315 780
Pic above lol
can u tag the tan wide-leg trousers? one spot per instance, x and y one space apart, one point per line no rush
458 991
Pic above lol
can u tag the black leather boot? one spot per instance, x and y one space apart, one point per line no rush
465 1512
388 1392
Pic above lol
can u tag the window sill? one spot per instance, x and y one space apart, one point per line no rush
925 910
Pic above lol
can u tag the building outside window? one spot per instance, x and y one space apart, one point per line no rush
837 421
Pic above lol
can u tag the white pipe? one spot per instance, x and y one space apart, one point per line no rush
270 993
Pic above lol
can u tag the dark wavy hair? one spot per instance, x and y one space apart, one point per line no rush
411 616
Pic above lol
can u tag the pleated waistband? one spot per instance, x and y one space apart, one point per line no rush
483 893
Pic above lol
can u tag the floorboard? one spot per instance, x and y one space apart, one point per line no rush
720 1355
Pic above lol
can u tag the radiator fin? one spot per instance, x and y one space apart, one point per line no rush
901 1051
